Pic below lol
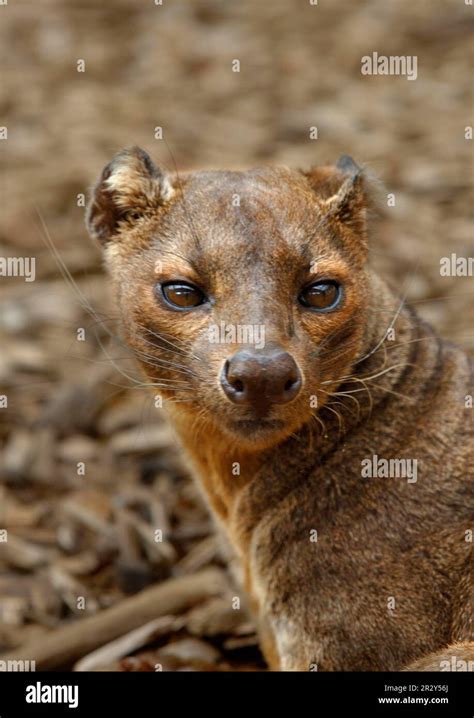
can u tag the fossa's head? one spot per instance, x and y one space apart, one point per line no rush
242 294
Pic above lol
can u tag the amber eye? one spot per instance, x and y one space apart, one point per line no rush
322 296
182 295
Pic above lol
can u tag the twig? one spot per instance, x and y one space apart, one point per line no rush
67 644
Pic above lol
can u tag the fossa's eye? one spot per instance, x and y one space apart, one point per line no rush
182 295
321 296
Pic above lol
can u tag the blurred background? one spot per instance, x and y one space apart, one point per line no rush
89 534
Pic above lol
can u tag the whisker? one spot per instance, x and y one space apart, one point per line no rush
320 421
339 417
392 323
349 395
161 338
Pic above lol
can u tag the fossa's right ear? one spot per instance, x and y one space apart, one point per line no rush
129 186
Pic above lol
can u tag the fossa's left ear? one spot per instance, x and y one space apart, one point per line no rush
342 193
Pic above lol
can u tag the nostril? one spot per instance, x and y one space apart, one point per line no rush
290 381
234 383
289 384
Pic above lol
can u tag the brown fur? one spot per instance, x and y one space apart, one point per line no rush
326 603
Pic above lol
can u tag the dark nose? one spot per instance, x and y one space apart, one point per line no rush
261 379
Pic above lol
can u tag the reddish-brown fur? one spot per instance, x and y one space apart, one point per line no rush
390 577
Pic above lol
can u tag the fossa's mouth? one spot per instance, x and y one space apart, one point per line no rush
255 430
249 425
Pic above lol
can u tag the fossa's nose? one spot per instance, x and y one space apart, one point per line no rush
261 378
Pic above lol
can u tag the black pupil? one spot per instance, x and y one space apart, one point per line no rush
183 295
320 296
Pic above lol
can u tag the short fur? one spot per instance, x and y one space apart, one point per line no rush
389 579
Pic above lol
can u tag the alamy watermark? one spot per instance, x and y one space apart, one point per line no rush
375 64
45 693
18 267
377 467
237 334
454 266
17 666
457 665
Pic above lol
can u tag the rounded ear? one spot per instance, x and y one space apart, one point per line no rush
129 186
342 193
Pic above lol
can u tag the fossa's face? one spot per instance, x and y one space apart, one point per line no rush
241 293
